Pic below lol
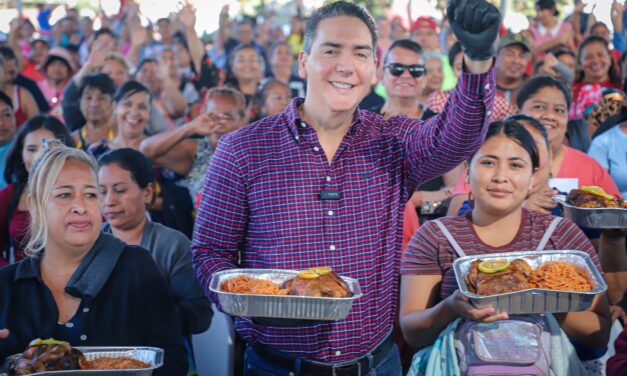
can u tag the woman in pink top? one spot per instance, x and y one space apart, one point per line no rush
548 31
58 69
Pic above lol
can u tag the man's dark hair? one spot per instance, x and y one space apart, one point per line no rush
6 99
103 31
248 20
99 81
340 8
563 51
456 48
144 62
407 44
534 85
7 53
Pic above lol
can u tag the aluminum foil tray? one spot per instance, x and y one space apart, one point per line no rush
150 355
608 218
534 300
281 306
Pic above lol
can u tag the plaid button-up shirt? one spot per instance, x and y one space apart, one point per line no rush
261 208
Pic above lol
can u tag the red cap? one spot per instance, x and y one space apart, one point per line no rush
424 22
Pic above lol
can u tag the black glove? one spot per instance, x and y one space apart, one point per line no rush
475 24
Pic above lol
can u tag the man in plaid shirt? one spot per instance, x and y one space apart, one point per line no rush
325 184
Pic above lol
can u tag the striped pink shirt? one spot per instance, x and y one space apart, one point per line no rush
429 253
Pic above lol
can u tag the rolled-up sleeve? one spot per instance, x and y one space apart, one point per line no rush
221 222
438 145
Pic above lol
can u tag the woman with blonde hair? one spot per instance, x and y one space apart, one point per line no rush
79 284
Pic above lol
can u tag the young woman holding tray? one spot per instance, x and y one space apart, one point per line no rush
501 174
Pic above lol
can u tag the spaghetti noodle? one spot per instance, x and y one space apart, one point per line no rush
556 275
246 285
123 362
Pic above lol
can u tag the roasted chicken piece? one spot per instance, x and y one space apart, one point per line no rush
583 199
329 285
47 357
514 278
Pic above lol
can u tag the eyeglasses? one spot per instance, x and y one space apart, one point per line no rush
416 70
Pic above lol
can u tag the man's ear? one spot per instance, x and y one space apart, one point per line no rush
376 76
302 63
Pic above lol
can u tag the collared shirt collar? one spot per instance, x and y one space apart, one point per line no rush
294 120
28 268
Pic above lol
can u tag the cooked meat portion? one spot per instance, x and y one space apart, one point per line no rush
514 278
330 285
40 358
583 199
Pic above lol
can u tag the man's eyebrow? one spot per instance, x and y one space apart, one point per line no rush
331 44
339 45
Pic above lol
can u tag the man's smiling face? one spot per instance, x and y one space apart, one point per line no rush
340 67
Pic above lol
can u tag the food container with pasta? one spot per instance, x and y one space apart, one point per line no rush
150 355
534 300
600 218
281 306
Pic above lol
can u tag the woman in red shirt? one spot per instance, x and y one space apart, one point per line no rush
597 71
14 215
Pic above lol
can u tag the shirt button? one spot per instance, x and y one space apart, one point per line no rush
328 178
316 148
303 124
69 325
330 212
487 87
83 337
85 310
338 353
489 113
291 373
332 247
297 138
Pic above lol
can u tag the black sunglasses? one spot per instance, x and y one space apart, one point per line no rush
416 70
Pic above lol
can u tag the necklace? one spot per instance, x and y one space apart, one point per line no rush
54 273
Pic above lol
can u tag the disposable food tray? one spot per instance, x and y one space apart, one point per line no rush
601 218
151 355
534 300
281 306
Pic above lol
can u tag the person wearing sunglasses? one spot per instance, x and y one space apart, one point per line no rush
405 77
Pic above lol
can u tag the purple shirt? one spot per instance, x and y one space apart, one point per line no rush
261 203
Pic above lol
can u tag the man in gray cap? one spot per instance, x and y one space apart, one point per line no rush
512 58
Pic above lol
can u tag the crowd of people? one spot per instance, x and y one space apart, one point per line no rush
137 161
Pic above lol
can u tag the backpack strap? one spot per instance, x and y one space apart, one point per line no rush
460 252
547 234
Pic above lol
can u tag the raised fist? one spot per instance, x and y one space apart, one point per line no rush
475 24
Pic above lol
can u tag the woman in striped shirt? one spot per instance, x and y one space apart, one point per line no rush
501 174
